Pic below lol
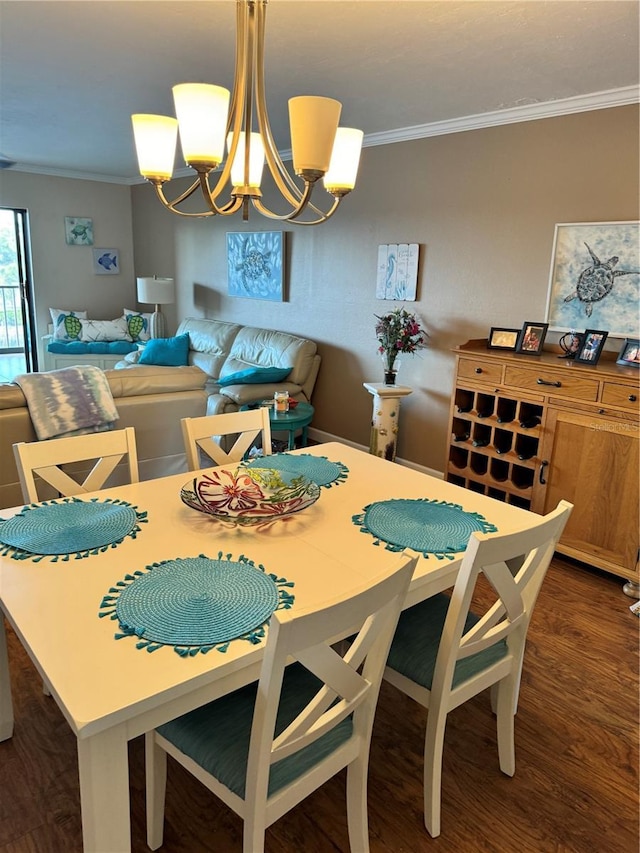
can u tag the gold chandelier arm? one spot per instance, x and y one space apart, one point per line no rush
287 217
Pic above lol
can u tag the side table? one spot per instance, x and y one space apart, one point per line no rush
291 421
384 421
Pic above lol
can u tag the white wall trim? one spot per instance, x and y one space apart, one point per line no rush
323 437
527 112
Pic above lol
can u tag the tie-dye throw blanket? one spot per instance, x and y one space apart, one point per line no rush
70 401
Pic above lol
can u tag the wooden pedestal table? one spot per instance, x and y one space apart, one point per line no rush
384 421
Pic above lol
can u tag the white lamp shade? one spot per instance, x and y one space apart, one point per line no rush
156 291
345 158
155 138
202 112
256 161
313 122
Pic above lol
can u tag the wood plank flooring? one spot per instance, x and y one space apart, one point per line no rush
575 789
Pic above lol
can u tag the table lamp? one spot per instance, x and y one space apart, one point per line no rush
156 291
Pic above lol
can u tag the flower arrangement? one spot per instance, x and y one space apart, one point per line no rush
397 332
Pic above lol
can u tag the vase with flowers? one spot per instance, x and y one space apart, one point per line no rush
398 332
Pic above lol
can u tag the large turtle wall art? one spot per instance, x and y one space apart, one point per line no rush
596 282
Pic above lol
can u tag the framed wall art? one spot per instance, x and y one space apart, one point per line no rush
78 231
397 276
630 353
106 262
531 338
592 345
255 264
500 338
595 277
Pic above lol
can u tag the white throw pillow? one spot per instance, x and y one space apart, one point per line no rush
66 323
139 324
104 330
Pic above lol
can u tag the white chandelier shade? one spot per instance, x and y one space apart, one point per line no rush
208 116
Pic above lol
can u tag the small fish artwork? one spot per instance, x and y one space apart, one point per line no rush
106 261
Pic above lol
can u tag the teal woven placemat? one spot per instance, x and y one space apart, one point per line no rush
68 527
318 469
196 604
430 527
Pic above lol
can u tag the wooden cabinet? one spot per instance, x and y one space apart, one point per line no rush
531 430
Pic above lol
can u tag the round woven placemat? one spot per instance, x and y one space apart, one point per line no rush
69 526
430 527
318 469
197 601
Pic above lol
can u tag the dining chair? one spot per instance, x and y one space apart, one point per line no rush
200 434
443 653
265 747
44 458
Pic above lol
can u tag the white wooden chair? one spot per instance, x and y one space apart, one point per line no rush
443 654
200 434
44 458
267 746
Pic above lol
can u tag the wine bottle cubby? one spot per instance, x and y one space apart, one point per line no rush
495 443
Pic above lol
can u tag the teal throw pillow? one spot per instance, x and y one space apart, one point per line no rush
256 376
168 352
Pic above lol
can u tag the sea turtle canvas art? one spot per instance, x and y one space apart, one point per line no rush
255 264
595 278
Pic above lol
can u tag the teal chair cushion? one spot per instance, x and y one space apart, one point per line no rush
415 644
216 736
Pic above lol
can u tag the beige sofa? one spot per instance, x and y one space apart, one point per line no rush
221 349
150 399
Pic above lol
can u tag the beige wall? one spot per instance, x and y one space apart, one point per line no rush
482 205
63 275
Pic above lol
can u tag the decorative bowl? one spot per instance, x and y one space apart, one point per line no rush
249 495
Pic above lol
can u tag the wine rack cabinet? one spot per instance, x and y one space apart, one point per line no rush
531 430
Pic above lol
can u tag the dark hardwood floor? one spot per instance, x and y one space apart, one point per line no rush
575 789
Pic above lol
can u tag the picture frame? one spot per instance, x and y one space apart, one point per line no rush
501 338
78 230
255 264
630 353
106 262
592 344
531 338
595 277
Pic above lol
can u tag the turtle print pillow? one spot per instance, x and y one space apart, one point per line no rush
66 324
138 325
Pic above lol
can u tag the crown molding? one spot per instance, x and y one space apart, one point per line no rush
528 112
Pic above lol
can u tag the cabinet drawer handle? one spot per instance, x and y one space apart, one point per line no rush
543 465
478 370
546 382
632 398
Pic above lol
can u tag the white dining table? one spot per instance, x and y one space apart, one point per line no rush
110 691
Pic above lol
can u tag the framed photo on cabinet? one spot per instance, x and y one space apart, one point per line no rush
630 353
500 338
592 344
531 338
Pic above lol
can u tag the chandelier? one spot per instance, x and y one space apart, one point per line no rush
208 117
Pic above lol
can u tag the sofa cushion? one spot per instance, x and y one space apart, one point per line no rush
209 342
255 347
154 379
95 348
171 352
255 376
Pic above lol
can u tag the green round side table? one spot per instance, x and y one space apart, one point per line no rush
291 421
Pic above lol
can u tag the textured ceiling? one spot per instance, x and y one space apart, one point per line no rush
71 73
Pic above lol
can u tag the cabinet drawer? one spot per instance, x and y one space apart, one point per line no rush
560 383
483 371
620 395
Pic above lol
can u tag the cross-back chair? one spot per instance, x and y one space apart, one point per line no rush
443 653
43 459
200 434
265 747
